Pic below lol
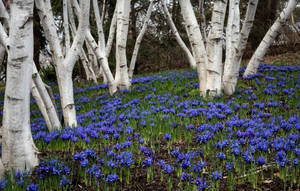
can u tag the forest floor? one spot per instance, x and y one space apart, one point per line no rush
163 136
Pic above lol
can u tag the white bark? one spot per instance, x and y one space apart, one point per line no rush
203 20
89 71
104 62
180 42
4 14
3 43
39 101
18 149
64 66
101 37
101 56
232 67
269 39
196 40
232 32
121 77
46 99
103 11
215 48
3 37
66 25
139 40
112 31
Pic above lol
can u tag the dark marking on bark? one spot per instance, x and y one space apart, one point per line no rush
20 59
13 98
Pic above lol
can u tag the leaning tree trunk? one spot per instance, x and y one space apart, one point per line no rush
196 40
121 77
139 40
100 54
232 67
215 49
179 40
46 100
269 39
18 149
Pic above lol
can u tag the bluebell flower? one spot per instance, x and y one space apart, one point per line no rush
202 184
112 178
198 167
261 161
168 169
168 137
221 156
32 187
185 177
111 164
148 162
141 141
3 184
230 166
64 182
217 175
84 163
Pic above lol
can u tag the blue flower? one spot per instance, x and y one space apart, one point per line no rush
112 178
202 184
261 161
168 169
185 177
168 137
217 175
64 182
148 162
221 156
84 163
3 184
230 166
32 187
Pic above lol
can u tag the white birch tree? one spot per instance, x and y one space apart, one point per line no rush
269 38
214 48
139 40
121 76
232 66
196 41
38 90
179 40
64 64
18 149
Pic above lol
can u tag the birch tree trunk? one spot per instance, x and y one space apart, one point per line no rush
46 100
112 31
39 101
121 77
100 54
64 65
269 39
139 40
215 48
203 20
232 32
196 40
18 149
180 42
232 67
66 25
